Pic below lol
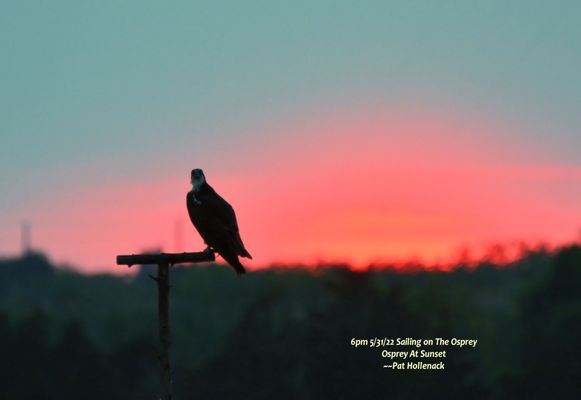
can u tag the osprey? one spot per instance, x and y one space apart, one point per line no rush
215 220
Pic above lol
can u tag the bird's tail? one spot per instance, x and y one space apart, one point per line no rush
235 263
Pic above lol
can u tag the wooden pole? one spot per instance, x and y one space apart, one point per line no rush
163 261
163 310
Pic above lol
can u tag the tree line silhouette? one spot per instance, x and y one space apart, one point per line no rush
285 332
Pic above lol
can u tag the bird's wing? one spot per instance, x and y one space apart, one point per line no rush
224 213
189 201
221 210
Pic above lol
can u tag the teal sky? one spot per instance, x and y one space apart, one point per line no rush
117 91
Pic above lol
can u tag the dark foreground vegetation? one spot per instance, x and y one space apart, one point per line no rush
287 334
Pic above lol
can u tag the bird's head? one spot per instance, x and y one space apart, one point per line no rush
197 179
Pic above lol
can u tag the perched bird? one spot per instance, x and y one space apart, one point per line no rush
215 220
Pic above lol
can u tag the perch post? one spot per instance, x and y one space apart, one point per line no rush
163 261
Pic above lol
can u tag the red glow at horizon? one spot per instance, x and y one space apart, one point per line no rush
359 189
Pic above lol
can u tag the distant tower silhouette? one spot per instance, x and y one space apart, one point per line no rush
25 234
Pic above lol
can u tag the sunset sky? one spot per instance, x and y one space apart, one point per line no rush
339 130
